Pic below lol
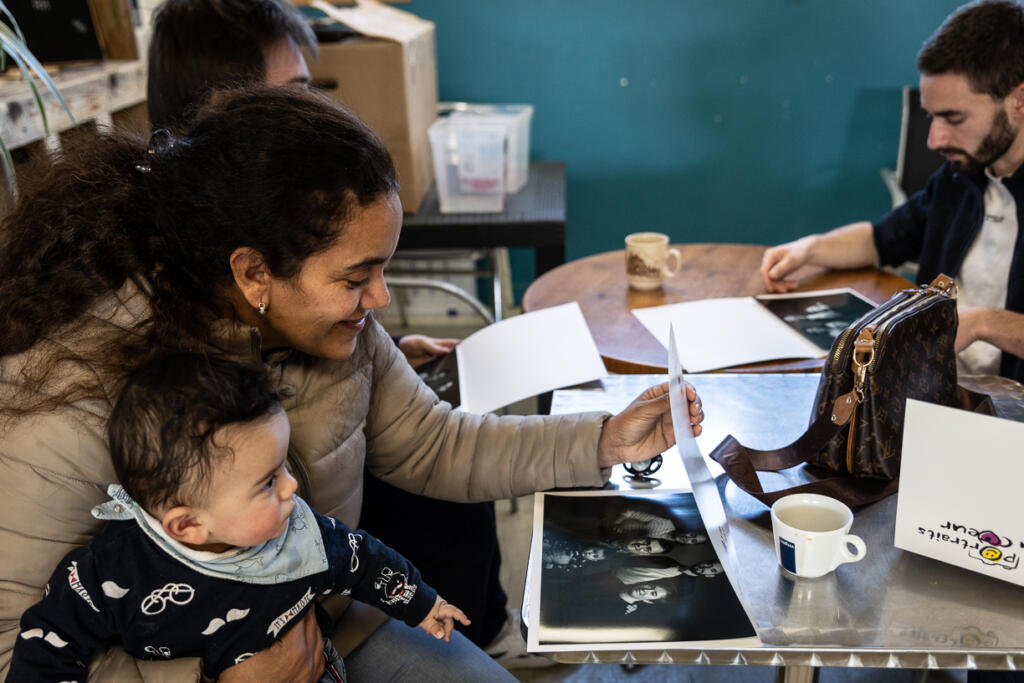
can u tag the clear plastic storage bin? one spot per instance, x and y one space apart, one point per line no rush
516 118
469 163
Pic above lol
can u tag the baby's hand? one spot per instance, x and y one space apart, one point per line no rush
442 618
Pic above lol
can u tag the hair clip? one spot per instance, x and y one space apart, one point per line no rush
160 142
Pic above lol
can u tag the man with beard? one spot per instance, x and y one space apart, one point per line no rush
965 222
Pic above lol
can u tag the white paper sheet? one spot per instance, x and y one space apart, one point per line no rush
959 499
705 490
526 355
730 331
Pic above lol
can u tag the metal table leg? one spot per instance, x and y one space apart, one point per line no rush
796 674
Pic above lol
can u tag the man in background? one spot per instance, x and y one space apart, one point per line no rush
965 222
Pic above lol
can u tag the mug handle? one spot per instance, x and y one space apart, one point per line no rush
844 551
674 255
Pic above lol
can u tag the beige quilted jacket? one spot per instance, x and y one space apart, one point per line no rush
370 408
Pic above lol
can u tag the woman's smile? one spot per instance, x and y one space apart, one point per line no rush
355 325
323 309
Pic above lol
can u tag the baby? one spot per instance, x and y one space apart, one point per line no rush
209 552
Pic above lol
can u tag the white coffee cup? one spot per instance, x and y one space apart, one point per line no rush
811 536
647 256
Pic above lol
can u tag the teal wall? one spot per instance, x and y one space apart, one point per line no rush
730 120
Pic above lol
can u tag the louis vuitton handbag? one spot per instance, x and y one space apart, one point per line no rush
899 350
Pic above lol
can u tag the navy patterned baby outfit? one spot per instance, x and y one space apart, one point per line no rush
132 585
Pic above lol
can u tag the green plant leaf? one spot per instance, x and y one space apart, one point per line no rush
8 163
30 65
14 22
42 109
27 77
17 29
12 42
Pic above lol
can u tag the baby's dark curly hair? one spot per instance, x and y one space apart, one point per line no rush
161 431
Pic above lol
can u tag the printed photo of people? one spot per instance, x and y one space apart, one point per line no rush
631 568
819 316
442 375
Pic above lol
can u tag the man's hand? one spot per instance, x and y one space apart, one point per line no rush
441 620
298 657
971 327
849 246
419 349
1002 328
780 261
644 428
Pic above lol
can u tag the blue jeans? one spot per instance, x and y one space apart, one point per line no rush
334 669
396 652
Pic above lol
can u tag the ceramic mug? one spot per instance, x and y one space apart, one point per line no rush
811 534
647 257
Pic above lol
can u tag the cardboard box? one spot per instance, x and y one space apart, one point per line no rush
386 73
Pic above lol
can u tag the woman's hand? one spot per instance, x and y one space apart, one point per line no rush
644 428
297 657
418 348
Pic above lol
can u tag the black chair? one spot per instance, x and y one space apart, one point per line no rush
915 163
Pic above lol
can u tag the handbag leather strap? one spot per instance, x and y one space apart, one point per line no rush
742 464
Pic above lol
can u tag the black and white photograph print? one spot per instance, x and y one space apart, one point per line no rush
442 375
820 316
628 567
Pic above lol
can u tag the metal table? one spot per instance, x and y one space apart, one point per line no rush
895 609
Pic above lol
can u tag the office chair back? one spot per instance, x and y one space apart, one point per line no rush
916 163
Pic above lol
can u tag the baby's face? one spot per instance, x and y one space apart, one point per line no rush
250 495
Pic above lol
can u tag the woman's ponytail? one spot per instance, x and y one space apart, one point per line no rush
72 237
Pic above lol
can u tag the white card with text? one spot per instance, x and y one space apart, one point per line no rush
959 499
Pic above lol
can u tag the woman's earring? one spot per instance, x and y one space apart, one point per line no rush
261 308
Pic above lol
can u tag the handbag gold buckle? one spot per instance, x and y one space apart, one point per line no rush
863 354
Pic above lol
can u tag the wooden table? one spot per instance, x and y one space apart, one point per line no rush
708 271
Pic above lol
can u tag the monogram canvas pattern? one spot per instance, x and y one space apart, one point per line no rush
913 358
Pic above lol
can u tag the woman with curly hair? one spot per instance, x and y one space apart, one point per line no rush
260 233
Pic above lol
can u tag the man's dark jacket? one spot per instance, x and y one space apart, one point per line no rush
937 226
